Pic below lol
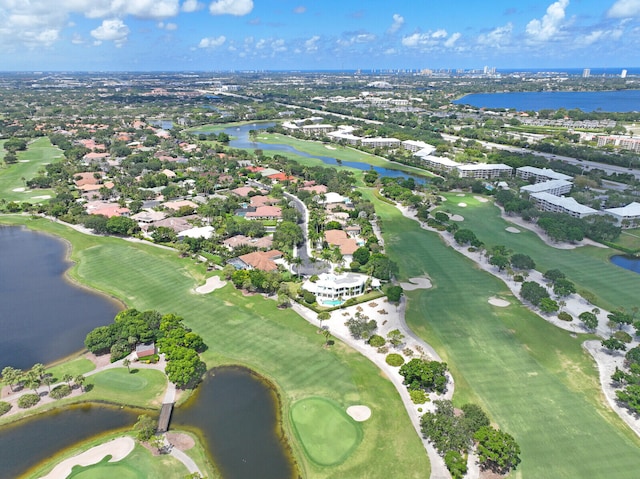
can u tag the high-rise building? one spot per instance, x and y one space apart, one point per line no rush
586 73
623 74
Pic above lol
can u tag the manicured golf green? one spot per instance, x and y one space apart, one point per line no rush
141 387
140 464
587 266
252 331
535 380
12 178
327 433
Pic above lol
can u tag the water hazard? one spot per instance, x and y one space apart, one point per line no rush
627 262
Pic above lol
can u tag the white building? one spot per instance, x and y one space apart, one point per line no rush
484 170
626 216
334 289
203 232
540 174
438 162
554 187
624 142
562 204
317 129
344 135
416 146
380 142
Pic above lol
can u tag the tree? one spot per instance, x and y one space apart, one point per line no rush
474 418
122 226
630 396
11 376
98 223
500 261
456 463
144 428
395 337
497 450
589 320
67 378
361 327
620 318
127 363
533 292
48 380
361 255
422 374
80 380
548 305
380 266
394 294
444 429
613 344
522 261
553 275
563 287
465 236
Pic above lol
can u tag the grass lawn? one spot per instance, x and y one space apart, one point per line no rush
39 153
140 464
629 239
252 331
535 380
141 387
74 368
587 266
327 433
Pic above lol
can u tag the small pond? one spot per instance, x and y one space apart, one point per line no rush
627 262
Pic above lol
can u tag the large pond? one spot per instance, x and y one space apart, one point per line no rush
235 412
44 317
627 262
612 101
241 140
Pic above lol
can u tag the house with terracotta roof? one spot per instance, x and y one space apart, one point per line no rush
281 177
95 156
106 209
243 191
340 239
261 200
315 189
241 240
265 213
262 260
87 178
176 205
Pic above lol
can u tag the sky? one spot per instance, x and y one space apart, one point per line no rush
224 35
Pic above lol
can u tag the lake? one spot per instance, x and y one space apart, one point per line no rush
44 316
609 101
627 262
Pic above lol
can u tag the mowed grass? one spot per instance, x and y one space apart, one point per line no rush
535 380
587 266
251 331
139 464
140 387
327 433
629 239
39 153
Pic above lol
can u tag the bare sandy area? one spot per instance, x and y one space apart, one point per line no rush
18 190
501 303
480 199
329 147
23 161
511 229
416 283
460 194
212 283
359 413
182 441
118 449
456 218
462 205
42 197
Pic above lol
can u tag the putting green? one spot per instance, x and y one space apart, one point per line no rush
328 435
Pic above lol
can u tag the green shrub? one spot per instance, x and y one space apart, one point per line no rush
518 278
564 316
383 349
308 297
60 391
622 336
418 396
376 341
394 359
5 407
456 463
28 400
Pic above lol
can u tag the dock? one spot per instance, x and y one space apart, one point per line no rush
165 417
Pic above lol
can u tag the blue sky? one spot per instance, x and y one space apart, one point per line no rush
209 35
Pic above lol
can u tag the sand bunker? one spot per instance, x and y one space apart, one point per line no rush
210 285
462 205
456 218
460 194
359 413
501 303
480 199
42 197
416 283
18 190
23 161
328 147
118 449
511 229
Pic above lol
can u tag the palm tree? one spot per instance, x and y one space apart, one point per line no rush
297 261
126 363
67 378
80 380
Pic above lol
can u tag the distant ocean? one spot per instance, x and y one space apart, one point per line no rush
607 101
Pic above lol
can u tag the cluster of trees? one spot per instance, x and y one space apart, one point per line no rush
401 190
629 381
255 280
131 327
538 296
425 375
454 434
116 225
361 327
562 286
562 227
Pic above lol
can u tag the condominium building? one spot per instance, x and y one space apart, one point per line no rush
540 174
484 170
562 204
626 216
554 187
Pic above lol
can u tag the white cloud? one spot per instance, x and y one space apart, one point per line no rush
439 34
167 26
398 22
624 9
300 9
231 7
452 40
551 23
191 6
77 39
498 37
148 9
113 30
358 38
212 42
428 39
311 45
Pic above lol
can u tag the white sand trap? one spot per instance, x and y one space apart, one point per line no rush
416 283
118 449
23 161
480 199
210 285
18 190
42 197
359 413
328 147
511 229
500 303
456 218
460 194
462 205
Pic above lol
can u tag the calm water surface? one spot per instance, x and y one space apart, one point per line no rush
611 101
627 262
43 317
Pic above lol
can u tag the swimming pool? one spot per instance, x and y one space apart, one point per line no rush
331 302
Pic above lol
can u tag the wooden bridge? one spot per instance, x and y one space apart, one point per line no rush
165 417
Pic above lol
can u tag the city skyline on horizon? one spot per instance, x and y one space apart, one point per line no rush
295 35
